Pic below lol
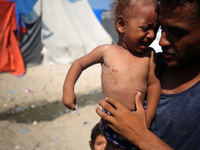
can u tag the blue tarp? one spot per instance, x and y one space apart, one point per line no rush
98 13
24 6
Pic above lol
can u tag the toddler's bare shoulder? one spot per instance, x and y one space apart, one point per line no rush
105 47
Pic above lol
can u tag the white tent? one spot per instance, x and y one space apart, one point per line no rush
70 30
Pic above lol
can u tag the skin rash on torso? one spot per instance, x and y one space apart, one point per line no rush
122 79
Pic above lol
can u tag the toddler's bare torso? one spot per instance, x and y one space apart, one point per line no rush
124 74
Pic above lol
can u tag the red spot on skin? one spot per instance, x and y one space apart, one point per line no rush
126 89
110 73
114 70
115 80
125 96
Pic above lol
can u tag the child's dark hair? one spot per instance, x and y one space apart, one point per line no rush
125 7
120 7
95 132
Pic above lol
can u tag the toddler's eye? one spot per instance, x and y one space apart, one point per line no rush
99 143
145 28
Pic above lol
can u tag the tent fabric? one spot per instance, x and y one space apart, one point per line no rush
31 43
70 30
20 23
109 25
24 6
10 56
98 13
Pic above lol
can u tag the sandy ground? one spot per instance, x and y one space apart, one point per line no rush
43 84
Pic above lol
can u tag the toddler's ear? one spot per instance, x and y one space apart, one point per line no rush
90 144
120 24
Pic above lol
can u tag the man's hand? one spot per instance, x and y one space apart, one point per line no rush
128 124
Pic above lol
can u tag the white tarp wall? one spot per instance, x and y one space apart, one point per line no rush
155 43
70 30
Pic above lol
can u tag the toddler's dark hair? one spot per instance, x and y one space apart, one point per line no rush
125 7
95 132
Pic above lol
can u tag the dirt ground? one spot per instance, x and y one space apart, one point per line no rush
43 84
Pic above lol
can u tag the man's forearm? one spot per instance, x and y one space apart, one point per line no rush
150 141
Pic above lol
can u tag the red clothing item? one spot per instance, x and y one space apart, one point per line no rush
10 55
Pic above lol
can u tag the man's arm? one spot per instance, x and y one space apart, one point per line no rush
131 125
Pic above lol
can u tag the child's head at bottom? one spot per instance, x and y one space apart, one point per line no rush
98 141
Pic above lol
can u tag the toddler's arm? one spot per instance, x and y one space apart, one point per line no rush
69 97
153 91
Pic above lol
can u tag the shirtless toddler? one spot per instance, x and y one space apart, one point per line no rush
127 66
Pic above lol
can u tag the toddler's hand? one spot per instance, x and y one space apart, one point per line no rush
69 100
